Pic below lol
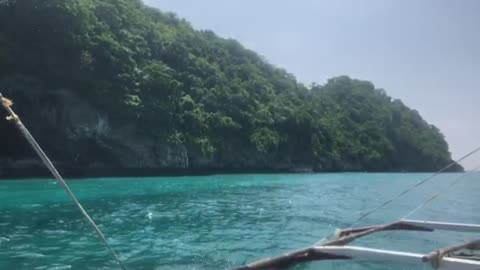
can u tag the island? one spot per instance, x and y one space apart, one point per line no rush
114 88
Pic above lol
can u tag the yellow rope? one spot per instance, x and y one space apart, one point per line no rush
7 103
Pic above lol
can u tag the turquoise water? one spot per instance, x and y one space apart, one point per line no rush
216 222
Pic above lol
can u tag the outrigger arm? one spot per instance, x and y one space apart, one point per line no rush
450 258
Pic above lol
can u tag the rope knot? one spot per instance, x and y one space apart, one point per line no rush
436 259
13 118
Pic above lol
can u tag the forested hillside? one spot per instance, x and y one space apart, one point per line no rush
112 86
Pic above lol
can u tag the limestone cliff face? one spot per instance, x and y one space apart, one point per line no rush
78 137
82 141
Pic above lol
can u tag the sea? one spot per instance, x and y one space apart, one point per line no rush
223 221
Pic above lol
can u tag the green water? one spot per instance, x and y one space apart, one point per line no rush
216 222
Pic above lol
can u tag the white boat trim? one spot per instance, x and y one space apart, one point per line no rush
446 226
362 253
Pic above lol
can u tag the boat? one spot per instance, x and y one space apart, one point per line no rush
464 256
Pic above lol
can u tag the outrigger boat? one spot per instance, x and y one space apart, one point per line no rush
464 256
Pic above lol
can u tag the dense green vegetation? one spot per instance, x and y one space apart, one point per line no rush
226 105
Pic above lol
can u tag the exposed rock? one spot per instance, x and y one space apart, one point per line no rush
86 140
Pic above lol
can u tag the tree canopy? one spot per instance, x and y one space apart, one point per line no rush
223 102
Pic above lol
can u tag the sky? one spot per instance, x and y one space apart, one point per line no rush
424 52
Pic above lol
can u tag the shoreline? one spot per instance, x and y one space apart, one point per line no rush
27 173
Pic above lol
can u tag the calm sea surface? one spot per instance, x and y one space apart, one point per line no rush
216 222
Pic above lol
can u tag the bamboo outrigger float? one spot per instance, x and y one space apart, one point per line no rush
460 257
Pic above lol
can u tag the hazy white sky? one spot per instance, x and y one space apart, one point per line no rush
425 52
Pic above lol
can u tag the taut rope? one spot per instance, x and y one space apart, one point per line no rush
413 187
7 104
436 195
